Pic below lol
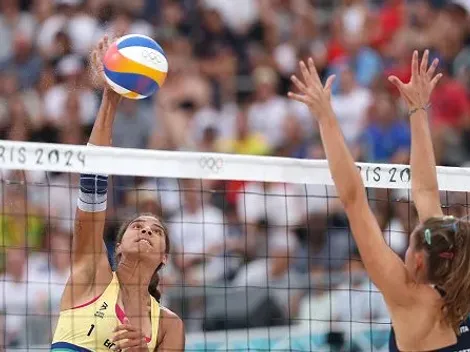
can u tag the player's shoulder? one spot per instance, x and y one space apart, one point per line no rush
170 319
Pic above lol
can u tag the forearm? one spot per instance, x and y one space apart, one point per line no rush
343 170
102 131
423 163
424 184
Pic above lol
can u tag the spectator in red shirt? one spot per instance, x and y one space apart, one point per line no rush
450 116
450 105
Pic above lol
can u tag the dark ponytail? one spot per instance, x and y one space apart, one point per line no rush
447 244
153 285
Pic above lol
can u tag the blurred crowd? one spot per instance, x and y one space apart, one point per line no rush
230 67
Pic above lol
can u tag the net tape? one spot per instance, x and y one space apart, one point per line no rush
154 163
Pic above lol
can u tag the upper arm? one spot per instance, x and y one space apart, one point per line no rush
386 270
173 334
90 265
427 203
88 249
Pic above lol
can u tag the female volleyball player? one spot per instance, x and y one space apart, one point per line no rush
428 295
103 310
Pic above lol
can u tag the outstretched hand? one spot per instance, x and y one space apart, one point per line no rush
313 93
96 61
97 67
417 92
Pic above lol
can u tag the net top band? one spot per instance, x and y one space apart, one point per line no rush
192 165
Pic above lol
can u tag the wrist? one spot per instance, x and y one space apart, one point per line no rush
111 96
415 108
324 116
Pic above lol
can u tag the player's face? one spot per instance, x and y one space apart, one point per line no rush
144 236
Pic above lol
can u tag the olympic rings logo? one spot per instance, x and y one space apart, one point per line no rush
212 164
151 56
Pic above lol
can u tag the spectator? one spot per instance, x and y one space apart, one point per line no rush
21 224
16 296
197 237
24 61
450 117
70 70
245 141
13 21
364 61
386 138
295 142
350 105
267 103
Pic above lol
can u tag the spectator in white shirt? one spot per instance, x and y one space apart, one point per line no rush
71 70
267 114
16 296
351 106
197 236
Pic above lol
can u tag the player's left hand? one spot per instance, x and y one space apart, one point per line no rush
313 94
129 338
417 91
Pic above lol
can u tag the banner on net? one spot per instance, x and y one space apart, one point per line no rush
154 163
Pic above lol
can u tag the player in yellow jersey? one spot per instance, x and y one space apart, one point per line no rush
102 310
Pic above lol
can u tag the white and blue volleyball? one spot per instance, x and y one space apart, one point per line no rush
135 66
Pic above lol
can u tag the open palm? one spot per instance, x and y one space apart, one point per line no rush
313 93
417 92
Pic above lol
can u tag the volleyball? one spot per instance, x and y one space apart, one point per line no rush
135 66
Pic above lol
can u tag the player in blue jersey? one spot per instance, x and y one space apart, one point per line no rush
428 295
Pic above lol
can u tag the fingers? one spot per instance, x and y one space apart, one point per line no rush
329 83
435 80
129 344
414 65
298 97
300 86
313 71
396 82
129 335
306 75
424 63
125 327
432 68
94 58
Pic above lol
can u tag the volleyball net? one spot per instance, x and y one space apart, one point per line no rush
262 257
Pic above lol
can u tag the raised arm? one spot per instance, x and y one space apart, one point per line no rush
89 259
384 267
416 93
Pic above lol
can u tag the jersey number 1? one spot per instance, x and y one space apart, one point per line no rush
91 329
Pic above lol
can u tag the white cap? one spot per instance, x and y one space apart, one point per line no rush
69 65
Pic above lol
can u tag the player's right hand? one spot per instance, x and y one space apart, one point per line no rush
129 338
96 61
97 70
